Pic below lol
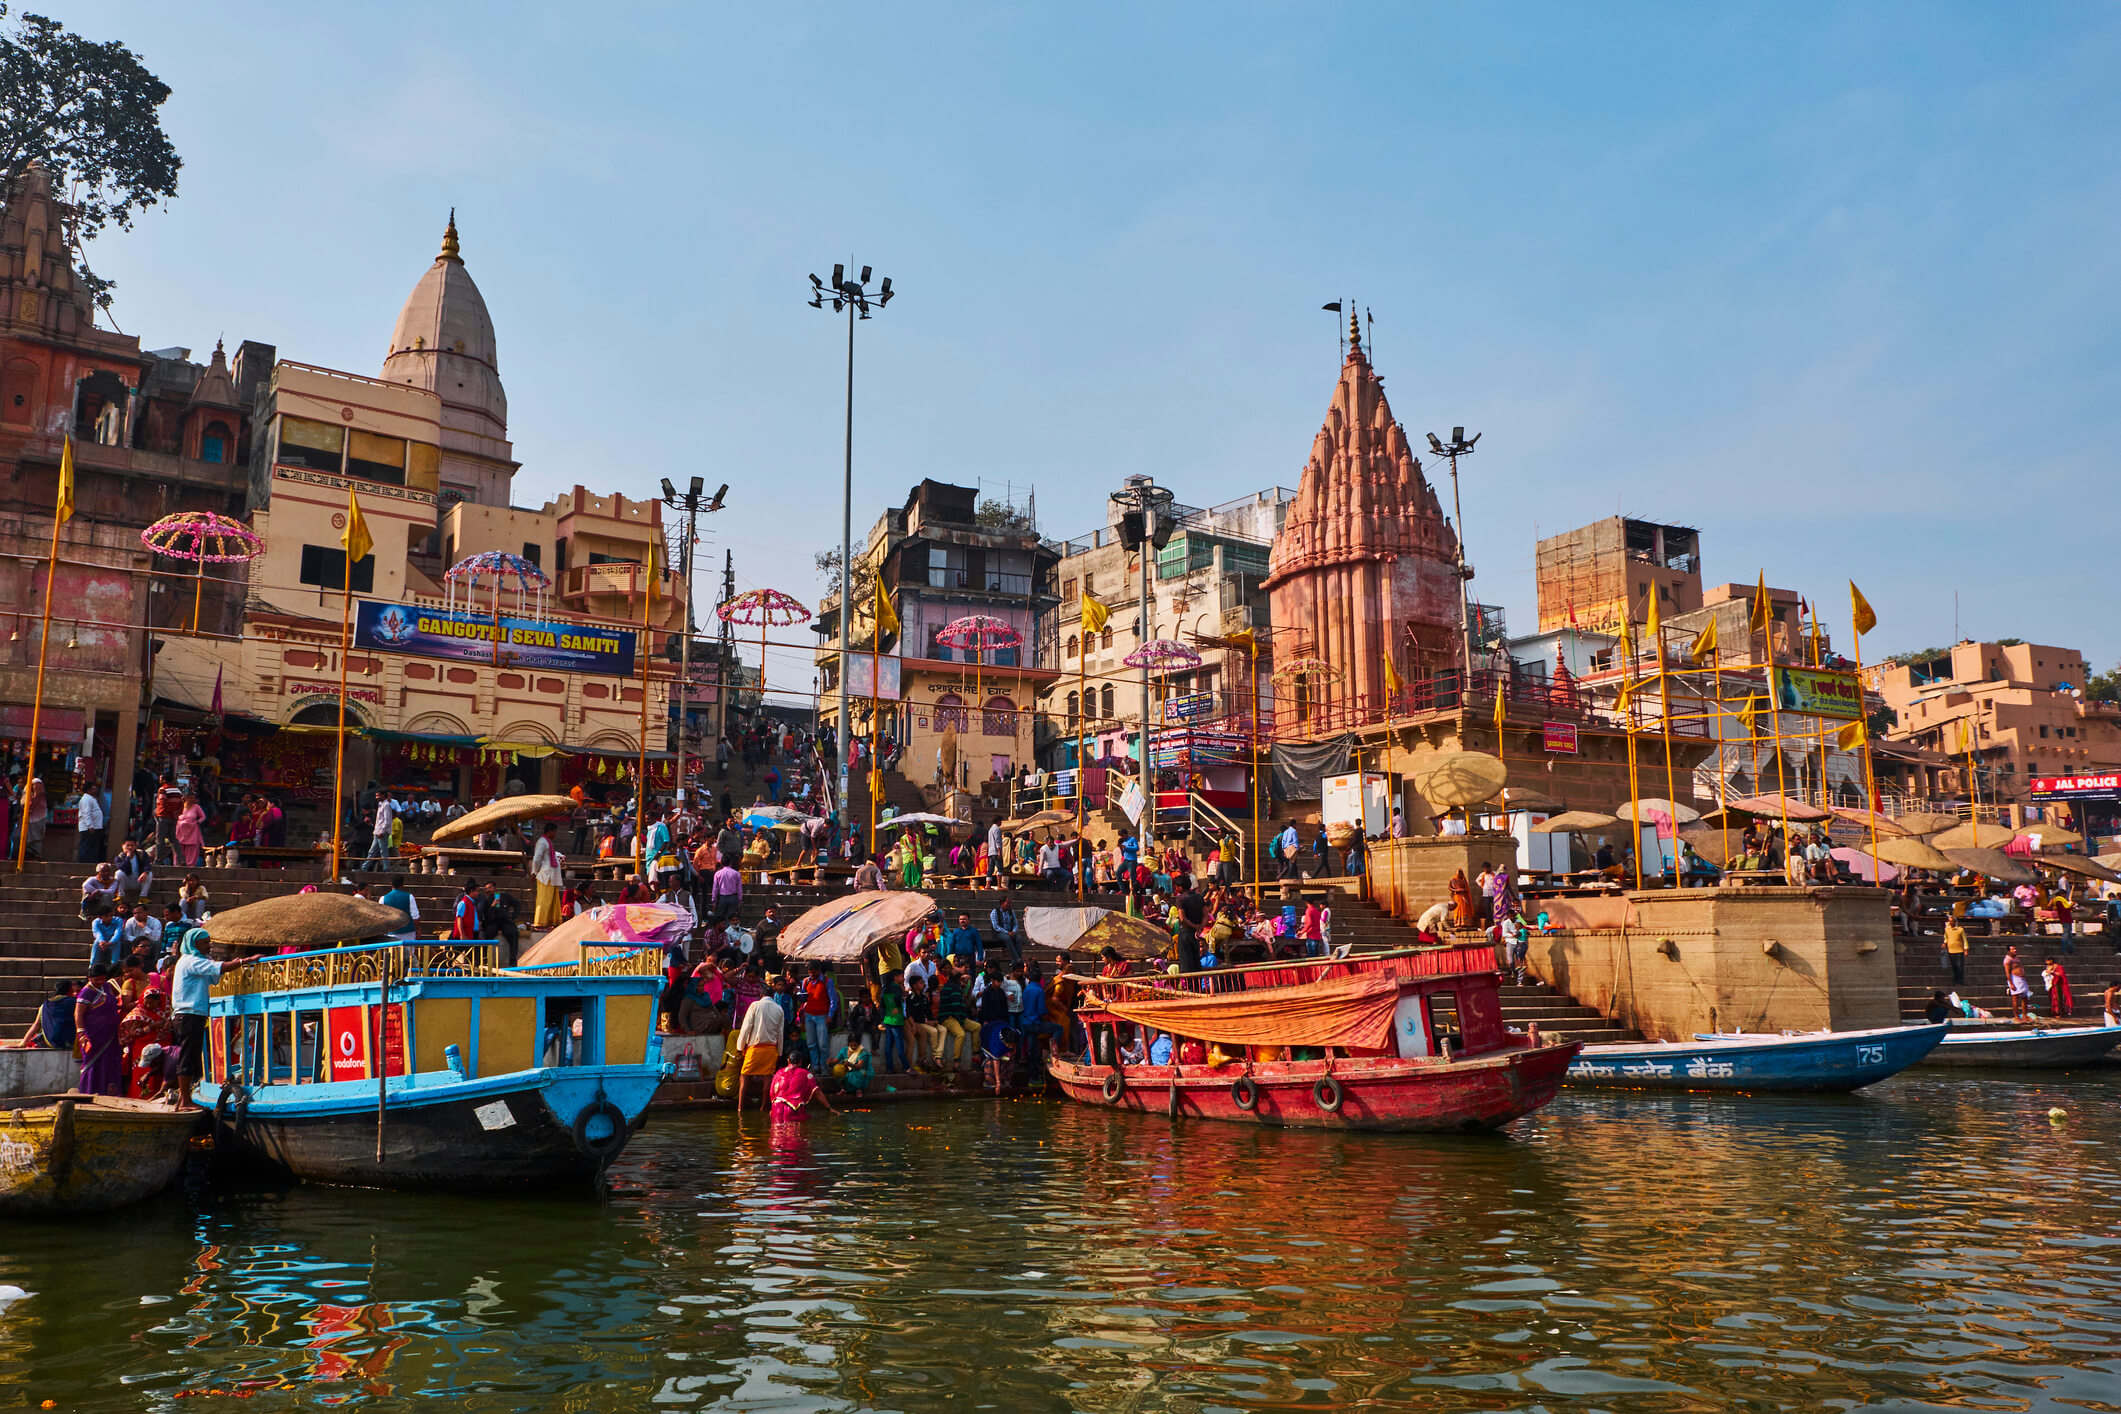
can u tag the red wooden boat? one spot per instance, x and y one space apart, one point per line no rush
1411 1040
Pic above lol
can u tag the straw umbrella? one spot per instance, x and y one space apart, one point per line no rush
1576 822
1925 822
1992 862
2077 864
301 921
1641 811
203 538
2050 835
1908 852
1459 779
1974 835
505 811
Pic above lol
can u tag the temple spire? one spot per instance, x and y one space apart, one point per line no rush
1354 329
449 238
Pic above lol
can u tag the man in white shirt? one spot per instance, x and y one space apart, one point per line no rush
545 861
758 1041
923 966
88 828
379 847
143 926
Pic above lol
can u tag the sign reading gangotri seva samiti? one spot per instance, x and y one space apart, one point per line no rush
1814 692
525 643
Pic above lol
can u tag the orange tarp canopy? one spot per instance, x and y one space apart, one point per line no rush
1339 1011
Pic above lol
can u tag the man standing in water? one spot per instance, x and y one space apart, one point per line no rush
2014 979
758 1041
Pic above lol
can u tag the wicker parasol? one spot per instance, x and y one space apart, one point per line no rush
1451 779
2050 835
1885 825
1974 835
1925 822
2079 865
1775 807
1044 820
1132 938
502 812
1994 863
306 921
1908 852
1641 811
1586 822
1526 798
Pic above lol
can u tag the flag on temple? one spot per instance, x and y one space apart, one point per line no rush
1705 645
355 539
64 510
1094 614
1654 626
1860 610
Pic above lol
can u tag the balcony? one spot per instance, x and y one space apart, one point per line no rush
621 579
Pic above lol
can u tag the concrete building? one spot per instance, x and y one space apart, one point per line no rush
1592 577
2018 708
943 556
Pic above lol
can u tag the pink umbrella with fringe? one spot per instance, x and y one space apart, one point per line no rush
768 608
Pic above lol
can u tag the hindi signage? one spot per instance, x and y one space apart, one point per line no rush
1560 738
1194 707
525 643
1815 692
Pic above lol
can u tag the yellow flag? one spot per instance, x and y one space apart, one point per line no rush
1755 708
355 539
1763 612
64 510
1860 610
1498 713
1392 683
1705 645
1094 614
1655 629
1851 736
886 616
1627 695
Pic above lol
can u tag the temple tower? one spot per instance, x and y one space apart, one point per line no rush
1365 563
444 343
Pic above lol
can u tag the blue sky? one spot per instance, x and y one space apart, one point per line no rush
1835 284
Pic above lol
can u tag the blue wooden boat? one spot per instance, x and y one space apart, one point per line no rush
1817 1061
406 1065
2024 1048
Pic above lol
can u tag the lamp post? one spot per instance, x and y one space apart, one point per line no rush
691 504
855 300
1458 447
1140 527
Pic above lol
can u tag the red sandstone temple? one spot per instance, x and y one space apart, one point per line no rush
1365 565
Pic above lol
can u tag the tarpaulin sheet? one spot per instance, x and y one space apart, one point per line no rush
1300 768
1340 1011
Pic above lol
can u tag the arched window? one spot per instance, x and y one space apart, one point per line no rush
998 718
1108 688
1072 649
1075 707
213 443
1107 643
950 712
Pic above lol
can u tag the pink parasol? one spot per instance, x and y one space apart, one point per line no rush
203 538
768 608
1162 653
498 567
610 925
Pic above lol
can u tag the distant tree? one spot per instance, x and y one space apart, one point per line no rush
90 113
2104 687
1003 517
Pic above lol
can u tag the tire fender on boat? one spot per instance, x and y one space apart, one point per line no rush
1115 1086
1328 1095
231 1111
1244 1092
609 1145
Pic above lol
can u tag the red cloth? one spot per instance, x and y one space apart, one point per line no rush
1355 1012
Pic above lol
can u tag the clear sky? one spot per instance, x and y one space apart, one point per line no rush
1834 284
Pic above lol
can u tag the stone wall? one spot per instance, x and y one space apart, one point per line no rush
1408 875
1674 962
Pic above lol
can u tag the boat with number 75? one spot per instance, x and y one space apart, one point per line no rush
408 1065
1814 1061
1410 1040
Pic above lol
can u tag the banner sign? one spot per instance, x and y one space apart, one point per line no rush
1560 738
1814 692
346 1031
2067 788
525 643
860 682
1194 707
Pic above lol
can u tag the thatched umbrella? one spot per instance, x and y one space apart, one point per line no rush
502 812
1641 811
2050 835
1909 852
1527 798
304 921
1130 937
1576 822
1776 807
1886 826
1994 863
2079 865
1925 822
1974 835
1709 842
1452 779
1044 820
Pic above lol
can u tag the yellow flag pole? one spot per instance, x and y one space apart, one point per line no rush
1082 718
1664 716
338 777
1870 778
1782 787
640 792
61 512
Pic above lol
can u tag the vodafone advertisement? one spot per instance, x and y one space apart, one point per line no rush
351 1031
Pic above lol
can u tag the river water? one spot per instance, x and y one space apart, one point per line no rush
1932 1243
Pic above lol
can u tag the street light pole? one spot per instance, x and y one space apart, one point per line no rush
691 505
853 297
1143 498
1458 447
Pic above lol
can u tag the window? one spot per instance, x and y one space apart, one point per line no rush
213 444
2043 731
1443 1022
938 650
1074 647
950 712
534 553
999 718
1067 591
1108 688
325 567
1075 707
1107 641
315 446
1089 586
946 567
376 458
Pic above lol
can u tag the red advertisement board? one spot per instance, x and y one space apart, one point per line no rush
346 1030
1560 738
393 1019
2100 787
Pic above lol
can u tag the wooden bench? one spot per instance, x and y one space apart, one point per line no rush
444 859
237 856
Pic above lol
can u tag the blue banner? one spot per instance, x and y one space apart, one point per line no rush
525 643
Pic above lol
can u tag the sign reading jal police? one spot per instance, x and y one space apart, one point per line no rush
525 643
2105 787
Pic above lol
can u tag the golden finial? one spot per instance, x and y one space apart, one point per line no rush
449 238
1354 327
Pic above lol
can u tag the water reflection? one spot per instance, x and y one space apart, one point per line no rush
1936 1243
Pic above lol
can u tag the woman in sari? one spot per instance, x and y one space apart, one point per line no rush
96 1035
147 1024
191 832
1462 914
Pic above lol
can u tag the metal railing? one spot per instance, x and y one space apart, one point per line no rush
395 962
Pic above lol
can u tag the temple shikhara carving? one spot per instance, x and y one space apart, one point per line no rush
1366 562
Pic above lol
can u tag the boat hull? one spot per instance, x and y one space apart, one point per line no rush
2026 1050
1412 1096
505 1132
1823 1063
68 1156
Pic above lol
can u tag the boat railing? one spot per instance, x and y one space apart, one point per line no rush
397 962
1449 959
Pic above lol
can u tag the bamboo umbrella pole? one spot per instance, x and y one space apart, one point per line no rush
338 775
1870 779
198 590
36 711
640 792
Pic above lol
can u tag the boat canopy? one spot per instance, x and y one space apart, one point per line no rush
1353 1012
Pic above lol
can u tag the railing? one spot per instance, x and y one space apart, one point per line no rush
616 578
343 967
1526 699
